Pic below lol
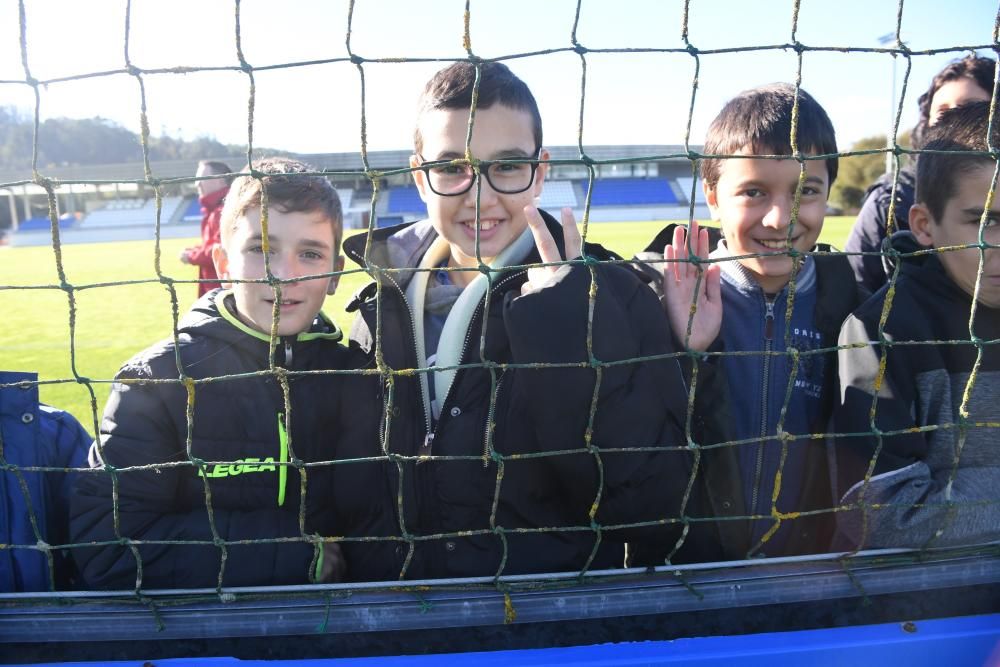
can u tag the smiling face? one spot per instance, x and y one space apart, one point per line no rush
959 225
753 200
953 94
301 243
499 132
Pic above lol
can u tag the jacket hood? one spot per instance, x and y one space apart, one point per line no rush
648 262
922 264
399 247
666 236
905 243
906 179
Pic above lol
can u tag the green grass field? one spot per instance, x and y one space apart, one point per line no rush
113 322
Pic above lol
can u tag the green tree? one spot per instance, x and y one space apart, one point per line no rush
858 172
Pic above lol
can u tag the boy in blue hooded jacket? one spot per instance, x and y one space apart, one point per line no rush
33 514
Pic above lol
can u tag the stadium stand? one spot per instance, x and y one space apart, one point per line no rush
192 208
192 212
406 200
685 183
132 212
41 223
117 213
345 194
630 192
558 194
171 209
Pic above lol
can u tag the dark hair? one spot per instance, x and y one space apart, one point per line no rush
217 167
974 67
451 88
760 120
960 129
289 189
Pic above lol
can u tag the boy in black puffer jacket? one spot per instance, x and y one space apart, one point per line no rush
209 467
530 442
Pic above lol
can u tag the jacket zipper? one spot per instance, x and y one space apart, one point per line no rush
283 435
425 449
282 459
490 417
768 340
426 446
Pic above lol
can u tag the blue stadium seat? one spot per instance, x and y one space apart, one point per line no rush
193 211
406 200
42 223
630 191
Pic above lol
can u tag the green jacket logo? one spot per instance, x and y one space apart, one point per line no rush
238 467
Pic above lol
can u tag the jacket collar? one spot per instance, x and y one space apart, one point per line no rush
213 199
214 316
737 275
923 265
399 249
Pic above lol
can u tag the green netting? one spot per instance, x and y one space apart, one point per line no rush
486 454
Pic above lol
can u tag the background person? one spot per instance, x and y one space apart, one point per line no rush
211 195
960 82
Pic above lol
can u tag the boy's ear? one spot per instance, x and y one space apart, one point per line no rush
221 261
419 177
338 265
541 173
711 198
922 225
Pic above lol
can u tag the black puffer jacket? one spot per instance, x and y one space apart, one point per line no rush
477 506
239 432
869 232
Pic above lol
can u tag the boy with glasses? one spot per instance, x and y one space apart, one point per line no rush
502 467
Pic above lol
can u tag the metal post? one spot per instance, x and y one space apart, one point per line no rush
890 140
12 204
25 202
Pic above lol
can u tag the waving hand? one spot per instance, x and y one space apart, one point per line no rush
680 281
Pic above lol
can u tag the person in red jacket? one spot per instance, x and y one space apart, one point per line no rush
211 195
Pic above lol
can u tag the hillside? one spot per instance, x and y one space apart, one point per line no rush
86 141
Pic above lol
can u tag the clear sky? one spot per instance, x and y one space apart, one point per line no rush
632 98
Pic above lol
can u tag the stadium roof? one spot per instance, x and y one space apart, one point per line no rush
337 162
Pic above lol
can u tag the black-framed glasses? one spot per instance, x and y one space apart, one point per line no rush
510 176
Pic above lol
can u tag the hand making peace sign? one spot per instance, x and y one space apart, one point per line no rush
542 276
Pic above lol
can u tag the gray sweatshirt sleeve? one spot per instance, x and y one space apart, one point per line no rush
938 486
